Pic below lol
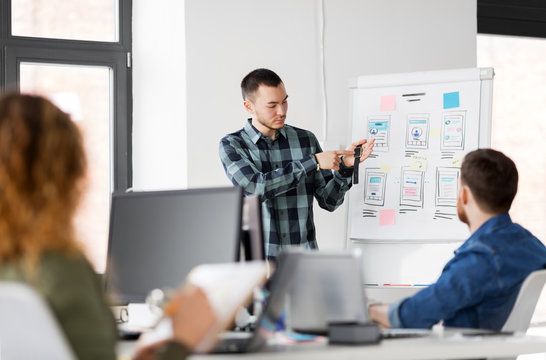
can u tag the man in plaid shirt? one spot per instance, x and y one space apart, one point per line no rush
285 165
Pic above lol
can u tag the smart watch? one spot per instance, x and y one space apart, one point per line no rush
358 151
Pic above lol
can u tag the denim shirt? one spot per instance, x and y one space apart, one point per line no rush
479 285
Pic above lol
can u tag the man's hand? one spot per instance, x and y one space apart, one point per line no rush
379 314
331 159
367 148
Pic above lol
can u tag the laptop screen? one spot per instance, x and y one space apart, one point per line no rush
252 237
279 284
327 287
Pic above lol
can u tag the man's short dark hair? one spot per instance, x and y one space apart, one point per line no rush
492 177
258 77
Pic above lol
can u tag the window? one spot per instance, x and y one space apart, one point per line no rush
518 121
513 42
77 20
77 53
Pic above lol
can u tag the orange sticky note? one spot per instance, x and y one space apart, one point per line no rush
388 103
386 217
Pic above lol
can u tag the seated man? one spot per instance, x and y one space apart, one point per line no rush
478 287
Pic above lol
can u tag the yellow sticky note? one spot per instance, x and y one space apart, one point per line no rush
457 162
435 132
419 163
385 168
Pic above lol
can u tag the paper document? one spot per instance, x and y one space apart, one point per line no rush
228 286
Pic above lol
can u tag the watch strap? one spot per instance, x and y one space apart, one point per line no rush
358 151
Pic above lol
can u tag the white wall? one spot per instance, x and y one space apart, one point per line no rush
227 39
159 95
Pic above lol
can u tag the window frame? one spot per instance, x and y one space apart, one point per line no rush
115 55
506 17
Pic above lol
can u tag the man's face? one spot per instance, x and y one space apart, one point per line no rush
461 213
268 107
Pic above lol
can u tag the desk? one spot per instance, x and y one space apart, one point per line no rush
429 348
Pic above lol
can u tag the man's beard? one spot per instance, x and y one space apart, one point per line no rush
461 213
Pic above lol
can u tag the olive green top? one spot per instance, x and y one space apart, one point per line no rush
74 292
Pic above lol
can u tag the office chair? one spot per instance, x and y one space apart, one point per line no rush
28 328
524 307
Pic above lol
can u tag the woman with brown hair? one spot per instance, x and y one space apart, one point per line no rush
42 177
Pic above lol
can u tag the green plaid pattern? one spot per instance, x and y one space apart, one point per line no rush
283 172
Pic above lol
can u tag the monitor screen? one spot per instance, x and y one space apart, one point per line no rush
252 239
157 237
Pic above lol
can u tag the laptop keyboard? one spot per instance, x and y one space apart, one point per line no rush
232 341
396 333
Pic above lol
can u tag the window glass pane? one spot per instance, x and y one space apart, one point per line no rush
519 122
85 93
94 20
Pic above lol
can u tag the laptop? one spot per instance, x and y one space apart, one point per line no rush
266 324
328 287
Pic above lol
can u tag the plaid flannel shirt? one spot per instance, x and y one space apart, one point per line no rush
284 173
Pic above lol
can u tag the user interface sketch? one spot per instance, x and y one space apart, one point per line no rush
422 128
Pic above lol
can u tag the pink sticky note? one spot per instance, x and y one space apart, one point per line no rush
386 217
388 103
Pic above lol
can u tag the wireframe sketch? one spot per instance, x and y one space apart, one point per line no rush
447 186
374 187
440 214
411 153
411 188
453 130
369 213
417 129
447 155
379 129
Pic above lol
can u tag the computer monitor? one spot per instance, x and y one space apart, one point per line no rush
157 237
252 237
